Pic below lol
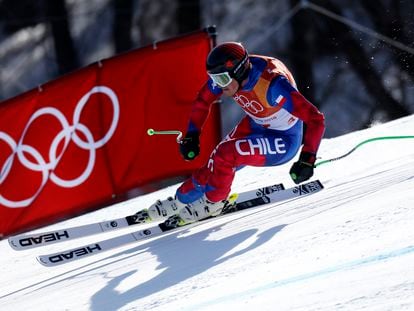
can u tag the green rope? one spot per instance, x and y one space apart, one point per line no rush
359 145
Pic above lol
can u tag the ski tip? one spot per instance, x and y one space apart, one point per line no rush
42 260
13 245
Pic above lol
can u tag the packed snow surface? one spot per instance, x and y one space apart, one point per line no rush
348 247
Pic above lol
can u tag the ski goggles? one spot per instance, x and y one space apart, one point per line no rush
222 79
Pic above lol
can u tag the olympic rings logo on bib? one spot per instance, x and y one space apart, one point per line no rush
251 106
69 133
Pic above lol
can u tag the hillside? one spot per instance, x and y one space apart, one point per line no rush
349 247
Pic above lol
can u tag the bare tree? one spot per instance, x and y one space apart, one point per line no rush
391 24
302 51
188 15
57 16
361 63
156 21
123 10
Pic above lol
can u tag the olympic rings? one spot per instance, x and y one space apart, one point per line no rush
251 106
68 133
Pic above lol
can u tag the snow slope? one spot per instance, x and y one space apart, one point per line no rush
349 247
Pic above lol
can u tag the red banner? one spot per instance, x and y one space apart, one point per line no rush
81 140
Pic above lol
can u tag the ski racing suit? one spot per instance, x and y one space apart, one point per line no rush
270 134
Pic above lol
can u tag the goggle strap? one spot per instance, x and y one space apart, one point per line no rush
244 60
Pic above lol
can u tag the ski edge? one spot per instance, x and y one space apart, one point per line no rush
154 231
40 239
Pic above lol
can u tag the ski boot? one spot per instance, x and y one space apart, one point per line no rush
197 210
164 209
202 208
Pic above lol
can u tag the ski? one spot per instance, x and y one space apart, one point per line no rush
50 260
62 257
23 242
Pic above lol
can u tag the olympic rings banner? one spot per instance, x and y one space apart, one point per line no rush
79 142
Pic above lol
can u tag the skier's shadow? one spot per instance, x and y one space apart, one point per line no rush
180 259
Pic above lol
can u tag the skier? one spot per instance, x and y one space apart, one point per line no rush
270 134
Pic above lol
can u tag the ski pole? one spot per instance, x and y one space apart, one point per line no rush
179 138
179 134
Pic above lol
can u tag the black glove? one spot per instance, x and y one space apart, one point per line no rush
190 146
302 170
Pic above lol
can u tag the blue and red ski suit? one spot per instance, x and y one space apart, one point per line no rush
270 133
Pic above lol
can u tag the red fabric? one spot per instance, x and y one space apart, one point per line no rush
302 108
270 134
82 140
245 145
314 120
201 107
220 170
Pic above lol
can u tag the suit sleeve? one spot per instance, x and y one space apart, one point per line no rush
207 95
314 120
